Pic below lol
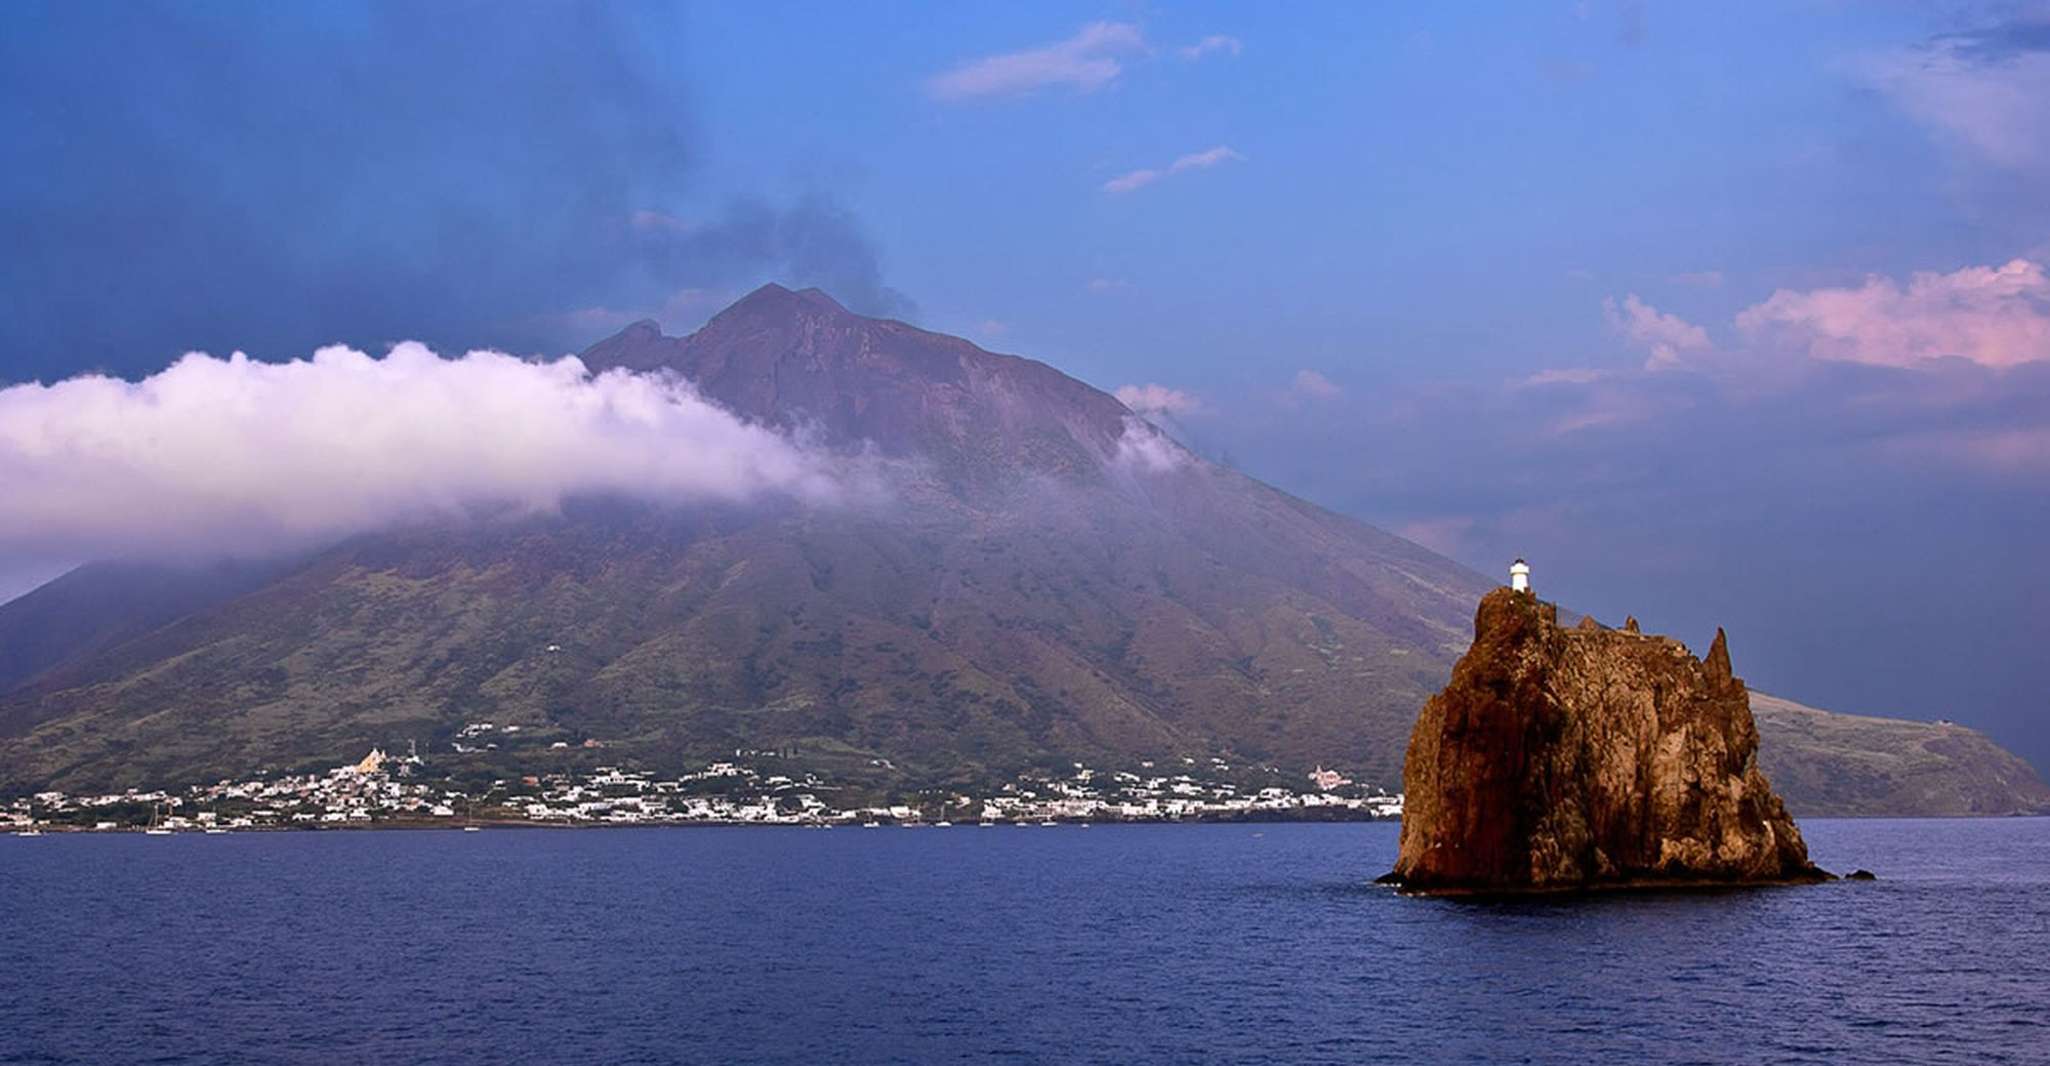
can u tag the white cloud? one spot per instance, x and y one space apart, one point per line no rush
219 455
1086 62
1667 336
1153 399
1146 449
1215 44
1203 160
1997 317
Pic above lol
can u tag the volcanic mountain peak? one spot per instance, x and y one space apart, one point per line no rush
798 359
776 299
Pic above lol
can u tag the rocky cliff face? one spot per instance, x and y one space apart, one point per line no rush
1563 759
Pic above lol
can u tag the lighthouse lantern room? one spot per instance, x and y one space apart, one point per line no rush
1519 576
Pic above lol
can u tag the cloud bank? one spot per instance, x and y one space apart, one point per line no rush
1995 316
219 456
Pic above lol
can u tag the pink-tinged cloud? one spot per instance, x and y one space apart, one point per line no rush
1086 62
1203 160
1215 44
1151 399
1666 336
1997 317
1310 385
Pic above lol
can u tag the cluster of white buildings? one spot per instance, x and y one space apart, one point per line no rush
391 790
1122 795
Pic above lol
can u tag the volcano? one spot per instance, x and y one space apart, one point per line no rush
1040 576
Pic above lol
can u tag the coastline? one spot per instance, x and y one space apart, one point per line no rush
429 825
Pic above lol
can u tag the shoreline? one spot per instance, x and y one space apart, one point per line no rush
413 825
1258 818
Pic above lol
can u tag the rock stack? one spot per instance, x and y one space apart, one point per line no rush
1588 758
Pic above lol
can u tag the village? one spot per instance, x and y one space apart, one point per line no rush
400 791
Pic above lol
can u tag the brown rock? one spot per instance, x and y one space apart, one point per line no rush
1575 759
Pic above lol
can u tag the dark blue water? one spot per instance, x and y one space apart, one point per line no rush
1112 944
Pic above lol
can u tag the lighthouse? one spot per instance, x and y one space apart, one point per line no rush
1519 576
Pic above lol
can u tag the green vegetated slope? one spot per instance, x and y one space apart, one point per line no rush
1824 763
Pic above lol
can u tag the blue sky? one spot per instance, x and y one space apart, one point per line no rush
1721 314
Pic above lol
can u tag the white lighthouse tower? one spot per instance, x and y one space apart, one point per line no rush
1519 576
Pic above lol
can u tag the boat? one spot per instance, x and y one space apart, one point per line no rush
473 829
29 833
1049 823
871 825
156 827
215 831
986 823
944 824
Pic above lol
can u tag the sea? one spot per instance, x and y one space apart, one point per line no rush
1108 944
